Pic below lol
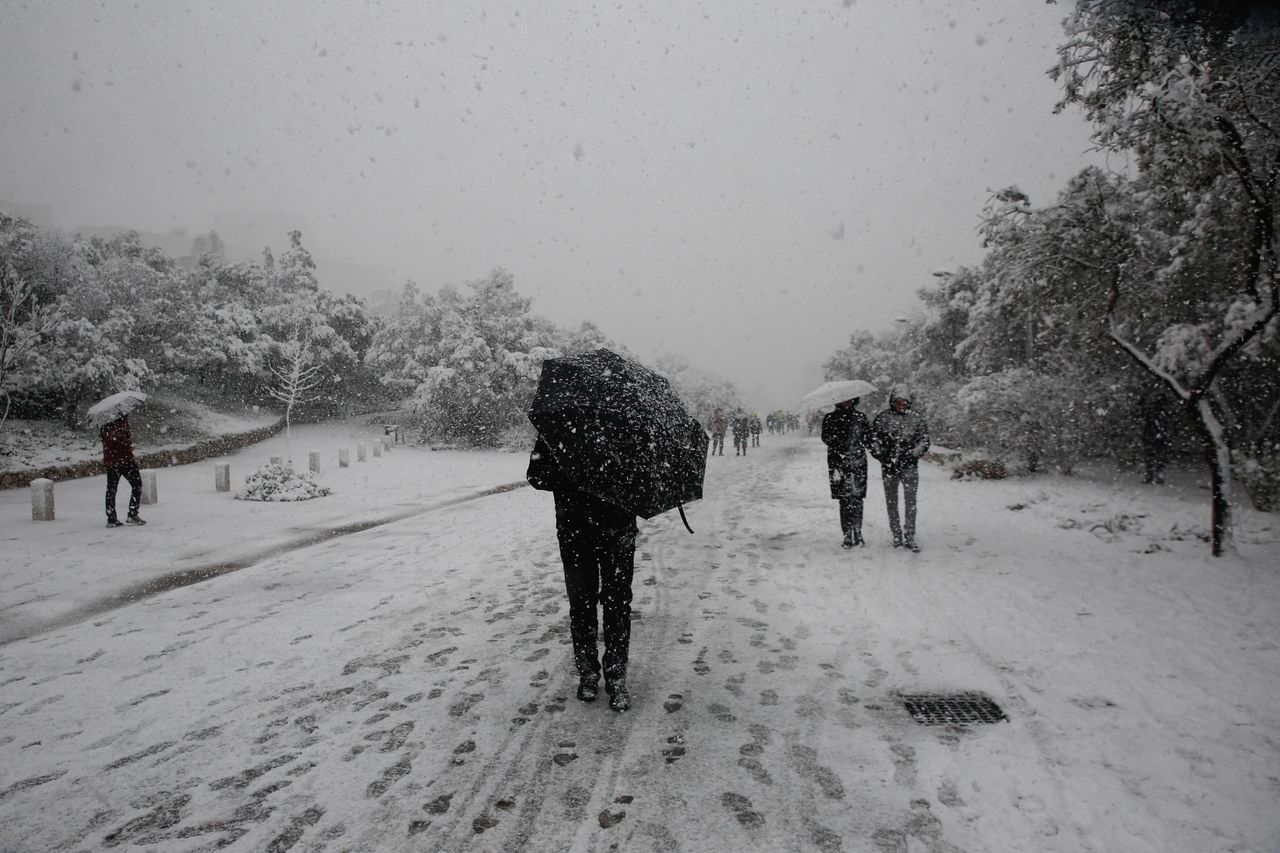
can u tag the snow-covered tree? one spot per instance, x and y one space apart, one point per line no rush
1192 91
295 378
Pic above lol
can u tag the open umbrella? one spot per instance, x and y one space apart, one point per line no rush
830 393
618 431
114 407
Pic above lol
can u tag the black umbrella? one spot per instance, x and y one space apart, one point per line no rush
618 431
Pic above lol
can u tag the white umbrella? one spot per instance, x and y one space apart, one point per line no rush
116 406
830 393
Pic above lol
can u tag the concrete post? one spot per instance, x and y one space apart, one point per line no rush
313 461
344 457
377 447
222 476
361 455
149 487
42 500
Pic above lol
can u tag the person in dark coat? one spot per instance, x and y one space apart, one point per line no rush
117 456
755 429
899 437
598 549
741 427
717 427
845 432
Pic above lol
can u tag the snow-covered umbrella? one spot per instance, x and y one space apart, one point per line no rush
114 407
828 394
617 430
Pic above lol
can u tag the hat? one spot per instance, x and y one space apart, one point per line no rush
903 394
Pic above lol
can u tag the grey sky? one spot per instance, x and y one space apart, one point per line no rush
744 183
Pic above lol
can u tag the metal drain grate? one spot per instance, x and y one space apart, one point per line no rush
952 709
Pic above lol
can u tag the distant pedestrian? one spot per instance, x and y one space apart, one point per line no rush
117 456
741 427
845 433
899 437
598 550
755 429
717 426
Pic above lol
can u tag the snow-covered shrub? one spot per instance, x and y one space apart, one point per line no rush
274 482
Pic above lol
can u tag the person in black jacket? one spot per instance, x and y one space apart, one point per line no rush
597 548
845 433
899 437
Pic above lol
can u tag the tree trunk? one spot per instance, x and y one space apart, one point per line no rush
1218 455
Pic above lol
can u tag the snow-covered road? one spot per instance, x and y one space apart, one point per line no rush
409 687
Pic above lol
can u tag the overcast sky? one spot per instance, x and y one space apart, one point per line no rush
743 183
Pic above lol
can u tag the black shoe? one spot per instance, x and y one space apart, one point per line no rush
858 541
848 541
897 541
619 699
114 522
588 688
133 519
911 545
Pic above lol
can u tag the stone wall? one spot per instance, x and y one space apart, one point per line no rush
220 446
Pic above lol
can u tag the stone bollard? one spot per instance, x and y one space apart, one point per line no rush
377 447
222 476
42 500
360 452
149 487
344 458
313 461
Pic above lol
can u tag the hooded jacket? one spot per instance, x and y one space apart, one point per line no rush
898 440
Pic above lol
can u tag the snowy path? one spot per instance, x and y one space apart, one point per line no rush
409 687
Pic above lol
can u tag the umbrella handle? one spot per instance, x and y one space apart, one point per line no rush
682 518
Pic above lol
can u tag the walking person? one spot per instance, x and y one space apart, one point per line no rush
717 427
755 429
845 432
741 427
117 456
899 437
597 548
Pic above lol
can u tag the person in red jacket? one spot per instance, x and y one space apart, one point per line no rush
117 455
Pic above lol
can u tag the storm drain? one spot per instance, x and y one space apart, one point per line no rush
952 709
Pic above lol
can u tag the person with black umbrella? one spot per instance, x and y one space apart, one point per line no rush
598 548
614 442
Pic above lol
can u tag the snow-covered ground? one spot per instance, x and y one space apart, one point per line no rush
388 669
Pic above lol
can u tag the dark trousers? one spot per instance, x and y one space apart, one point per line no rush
598 549
128 470
717 441
755 439
851 516
909 479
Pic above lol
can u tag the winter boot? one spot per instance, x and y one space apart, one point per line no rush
858 541
619 699
848 541
588 688
133 519
114 522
